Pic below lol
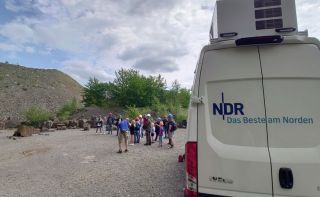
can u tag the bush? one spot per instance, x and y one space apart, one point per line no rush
159 109
35 116
68 110
132 112
181 115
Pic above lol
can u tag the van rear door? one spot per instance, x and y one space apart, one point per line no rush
233 158
292 93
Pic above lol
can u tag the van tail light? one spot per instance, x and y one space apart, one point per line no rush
191 189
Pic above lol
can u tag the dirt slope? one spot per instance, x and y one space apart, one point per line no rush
21 88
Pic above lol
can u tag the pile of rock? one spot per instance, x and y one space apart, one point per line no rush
86 126
61 126
26 131
72 124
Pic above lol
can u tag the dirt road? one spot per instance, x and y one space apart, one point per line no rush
82 163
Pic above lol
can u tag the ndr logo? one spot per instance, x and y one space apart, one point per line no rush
227 108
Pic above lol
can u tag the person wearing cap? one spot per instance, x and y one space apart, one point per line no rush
171 126
109 123
123 134
147 128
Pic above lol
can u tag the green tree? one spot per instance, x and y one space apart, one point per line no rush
138 93
130 88
94 93
184 97
172 94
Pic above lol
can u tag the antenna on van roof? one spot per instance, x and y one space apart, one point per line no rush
237 19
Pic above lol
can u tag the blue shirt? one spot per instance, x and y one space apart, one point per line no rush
124 125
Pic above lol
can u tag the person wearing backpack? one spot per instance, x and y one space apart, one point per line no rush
123 134
99 124
165 123
157 128
171 126
109 123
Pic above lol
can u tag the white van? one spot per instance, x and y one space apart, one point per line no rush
254 117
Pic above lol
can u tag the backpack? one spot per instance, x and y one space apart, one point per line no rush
99 123
137 126
146 124
173 126
109 120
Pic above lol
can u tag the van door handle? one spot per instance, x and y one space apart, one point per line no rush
286 178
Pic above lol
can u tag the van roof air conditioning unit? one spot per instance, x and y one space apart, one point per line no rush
236 19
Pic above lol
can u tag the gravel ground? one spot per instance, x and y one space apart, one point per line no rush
82 163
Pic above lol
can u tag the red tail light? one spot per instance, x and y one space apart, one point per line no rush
191 189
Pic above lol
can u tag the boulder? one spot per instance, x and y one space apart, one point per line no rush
48 124
72 124
44 129
86 126
81 123
26 131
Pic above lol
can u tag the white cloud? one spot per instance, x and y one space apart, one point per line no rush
158 65
82 71
9 47
18 6
29 49
17 32
308 16
100 36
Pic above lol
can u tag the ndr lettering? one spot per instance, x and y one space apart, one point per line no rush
228 109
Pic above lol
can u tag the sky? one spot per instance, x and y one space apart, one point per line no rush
95 38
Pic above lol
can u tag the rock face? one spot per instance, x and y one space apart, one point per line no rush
21 88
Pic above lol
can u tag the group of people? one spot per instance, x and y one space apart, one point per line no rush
153 130
106 123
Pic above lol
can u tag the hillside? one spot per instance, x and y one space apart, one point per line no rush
21 88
